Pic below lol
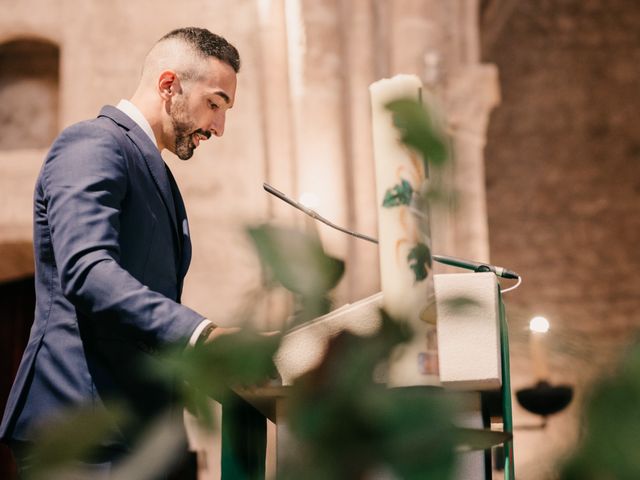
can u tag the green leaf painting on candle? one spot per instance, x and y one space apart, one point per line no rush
397 195
419 259
421 131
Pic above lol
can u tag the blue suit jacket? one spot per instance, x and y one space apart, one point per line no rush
111 250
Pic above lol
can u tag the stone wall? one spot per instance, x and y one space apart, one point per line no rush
563 190
301 120
29 84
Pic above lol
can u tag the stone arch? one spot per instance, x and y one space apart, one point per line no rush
29 93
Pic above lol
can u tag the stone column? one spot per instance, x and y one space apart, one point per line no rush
470 97
470 92
275 105
317 97
359 52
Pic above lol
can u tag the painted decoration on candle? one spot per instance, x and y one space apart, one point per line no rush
398 195
419 257
404 236
420 261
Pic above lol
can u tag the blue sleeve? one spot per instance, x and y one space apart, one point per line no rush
85 180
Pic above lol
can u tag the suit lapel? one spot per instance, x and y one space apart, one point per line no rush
152 158
184 233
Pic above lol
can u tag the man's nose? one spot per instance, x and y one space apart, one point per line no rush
217 126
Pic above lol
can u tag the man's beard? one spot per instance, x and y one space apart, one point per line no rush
184 145
184 130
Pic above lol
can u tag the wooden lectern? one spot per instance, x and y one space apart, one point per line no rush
473 358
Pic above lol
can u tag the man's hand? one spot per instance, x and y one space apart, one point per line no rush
219 331
212 332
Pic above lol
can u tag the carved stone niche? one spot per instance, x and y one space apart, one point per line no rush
29 83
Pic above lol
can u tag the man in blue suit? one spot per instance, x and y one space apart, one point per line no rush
112 243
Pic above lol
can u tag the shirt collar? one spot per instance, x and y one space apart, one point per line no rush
136 115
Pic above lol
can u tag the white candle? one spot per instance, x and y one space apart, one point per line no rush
538 327
404 240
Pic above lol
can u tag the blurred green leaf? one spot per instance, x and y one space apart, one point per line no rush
310 307
71 438
157 452
609 447
296 260
472 439
419 131
461 303
348 426
399 194
437 193
213 369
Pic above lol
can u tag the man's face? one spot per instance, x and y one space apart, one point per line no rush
200 109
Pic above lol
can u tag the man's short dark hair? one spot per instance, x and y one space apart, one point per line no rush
207 44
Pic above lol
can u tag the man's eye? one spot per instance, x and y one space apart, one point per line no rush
213 106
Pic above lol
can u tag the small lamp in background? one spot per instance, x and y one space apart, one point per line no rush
543 398
538 328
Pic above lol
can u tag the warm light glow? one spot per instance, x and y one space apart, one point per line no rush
539 325
309 200
296 46
264 6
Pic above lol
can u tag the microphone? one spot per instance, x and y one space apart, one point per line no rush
313 214
476 267
452 261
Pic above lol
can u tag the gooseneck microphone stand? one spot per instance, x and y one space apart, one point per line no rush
444 259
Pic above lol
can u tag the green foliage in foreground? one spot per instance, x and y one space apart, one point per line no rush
298 263
72 436
350 427
610 445
214 369
419 131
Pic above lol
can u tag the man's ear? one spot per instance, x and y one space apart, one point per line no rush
168 84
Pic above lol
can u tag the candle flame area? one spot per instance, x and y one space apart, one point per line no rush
539 325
